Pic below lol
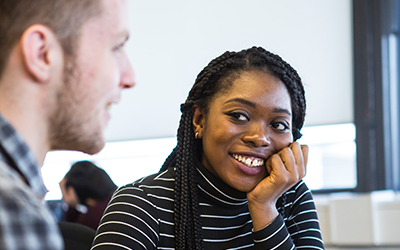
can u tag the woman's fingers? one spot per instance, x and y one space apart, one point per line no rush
289 163
271 187
304 150
288 159
275 165
285 168
300 153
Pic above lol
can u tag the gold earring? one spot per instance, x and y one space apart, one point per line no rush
196 135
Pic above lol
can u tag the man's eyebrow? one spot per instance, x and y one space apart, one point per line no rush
244 101
122 34
253 105
125 36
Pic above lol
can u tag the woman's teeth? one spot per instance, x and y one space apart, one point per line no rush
256 162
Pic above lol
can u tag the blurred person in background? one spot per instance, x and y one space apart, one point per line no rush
86 189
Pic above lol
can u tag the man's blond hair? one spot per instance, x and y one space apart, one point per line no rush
64 17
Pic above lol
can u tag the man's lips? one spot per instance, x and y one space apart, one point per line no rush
108 105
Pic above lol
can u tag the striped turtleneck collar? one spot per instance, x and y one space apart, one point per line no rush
217 192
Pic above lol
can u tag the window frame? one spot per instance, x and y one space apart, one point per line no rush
377 137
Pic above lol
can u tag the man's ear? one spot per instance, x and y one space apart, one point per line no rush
198 121
41 51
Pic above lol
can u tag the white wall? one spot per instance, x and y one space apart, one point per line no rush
172 41
360 219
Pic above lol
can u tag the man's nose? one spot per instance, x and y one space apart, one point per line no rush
128 79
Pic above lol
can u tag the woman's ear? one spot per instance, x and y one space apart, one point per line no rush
198 121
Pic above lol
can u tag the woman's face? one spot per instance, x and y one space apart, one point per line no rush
244 127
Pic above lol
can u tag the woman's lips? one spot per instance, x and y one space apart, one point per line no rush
249 161
249 165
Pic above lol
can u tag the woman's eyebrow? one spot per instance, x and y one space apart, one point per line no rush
244 101
279 110
253 105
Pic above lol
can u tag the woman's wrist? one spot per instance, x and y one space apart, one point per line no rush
262 215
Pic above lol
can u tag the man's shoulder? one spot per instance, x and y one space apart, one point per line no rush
10 180
24 219
15 195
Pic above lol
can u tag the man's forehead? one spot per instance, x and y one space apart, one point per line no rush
115 14
113 19
115 8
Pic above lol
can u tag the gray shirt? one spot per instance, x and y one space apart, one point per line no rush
25 221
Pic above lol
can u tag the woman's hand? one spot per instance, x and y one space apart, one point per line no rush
285 168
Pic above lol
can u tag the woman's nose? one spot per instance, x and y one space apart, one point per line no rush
258 135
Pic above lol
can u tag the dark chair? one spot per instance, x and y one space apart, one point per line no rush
76 236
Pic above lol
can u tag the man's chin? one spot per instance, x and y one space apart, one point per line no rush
94 148
87 147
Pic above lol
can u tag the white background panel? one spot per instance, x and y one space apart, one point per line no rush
172 41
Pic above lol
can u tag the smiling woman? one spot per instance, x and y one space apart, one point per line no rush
234 181
249 122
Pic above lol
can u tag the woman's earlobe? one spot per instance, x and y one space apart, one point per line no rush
198 134
198 121
198 118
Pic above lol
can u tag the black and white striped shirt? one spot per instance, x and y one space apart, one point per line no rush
140 216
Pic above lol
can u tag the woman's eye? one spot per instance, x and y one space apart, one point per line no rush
280 126
239 116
